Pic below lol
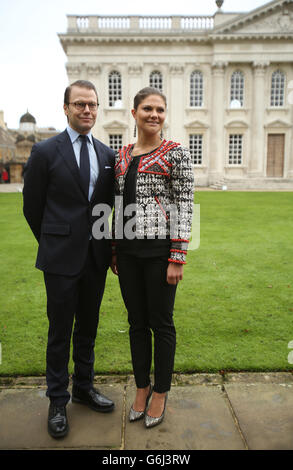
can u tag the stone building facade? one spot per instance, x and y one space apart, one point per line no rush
7 145
228 79
16 144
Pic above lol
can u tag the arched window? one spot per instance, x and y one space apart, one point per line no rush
196 88
156 80
115 89
278 88
237 89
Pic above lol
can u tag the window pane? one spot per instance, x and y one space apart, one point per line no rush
278 88
196 89
195 147
235 149
156 80
115 89
115 141
237 89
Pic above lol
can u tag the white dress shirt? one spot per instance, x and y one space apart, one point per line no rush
94 167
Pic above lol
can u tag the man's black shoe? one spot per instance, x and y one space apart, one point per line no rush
92 398
57 421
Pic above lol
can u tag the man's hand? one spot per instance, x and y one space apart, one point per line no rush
174 273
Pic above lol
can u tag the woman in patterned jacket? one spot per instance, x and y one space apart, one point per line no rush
151 231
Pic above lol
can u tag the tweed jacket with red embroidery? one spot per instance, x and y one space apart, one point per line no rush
164 195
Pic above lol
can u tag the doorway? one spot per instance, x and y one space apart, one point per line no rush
275 158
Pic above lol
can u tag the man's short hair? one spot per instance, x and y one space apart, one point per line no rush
81 84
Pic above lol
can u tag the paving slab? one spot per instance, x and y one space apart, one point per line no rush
204 412
11 188
259 377
197 418
24 414
264 412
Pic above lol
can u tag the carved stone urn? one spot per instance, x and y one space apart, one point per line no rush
219 3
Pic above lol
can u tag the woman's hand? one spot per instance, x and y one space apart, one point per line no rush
114 264
174 273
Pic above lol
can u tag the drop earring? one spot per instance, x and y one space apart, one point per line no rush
161 134
134 132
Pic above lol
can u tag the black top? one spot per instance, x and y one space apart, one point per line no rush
129 196
143 248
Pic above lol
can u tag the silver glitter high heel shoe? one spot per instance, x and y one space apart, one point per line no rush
150 422
136 415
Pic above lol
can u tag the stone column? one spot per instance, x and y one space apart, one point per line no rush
92 71
217 154
176 107
134 80
290 147
257 153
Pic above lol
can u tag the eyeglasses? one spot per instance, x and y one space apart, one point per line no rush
81 106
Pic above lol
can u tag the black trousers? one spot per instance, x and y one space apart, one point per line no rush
149 300
72 298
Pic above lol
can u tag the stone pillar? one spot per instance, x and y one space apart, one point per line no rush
93 23
290 147
176 111
71 23
134 23
93 74
217 157
134 80
176 22
257 155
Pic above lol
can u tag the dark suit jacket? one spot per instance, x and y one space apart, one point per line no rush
58 210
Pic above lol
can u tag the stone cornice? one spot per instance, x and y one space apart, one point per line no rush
98 38
67 40
251 36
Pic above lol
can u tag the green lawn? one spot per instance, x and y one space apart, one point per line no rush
234 308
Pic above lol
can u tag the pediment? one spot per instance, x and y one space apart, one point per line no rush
115 125
277 124
236 123
275 17
196 125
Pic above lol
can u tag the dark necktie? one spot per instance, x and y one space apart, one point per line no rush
84 163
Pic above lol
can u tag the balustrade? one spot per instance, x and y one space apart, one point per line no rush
95 23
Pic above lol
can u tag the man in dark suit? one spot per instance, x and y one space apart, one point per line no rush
64 178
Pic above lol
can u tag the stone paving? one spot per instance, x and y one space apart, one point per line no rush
204 412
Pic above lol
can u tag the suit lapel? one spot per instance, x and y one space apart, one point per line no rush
66 149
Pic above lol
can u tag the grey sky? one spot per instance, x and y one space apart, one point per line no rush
32 61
